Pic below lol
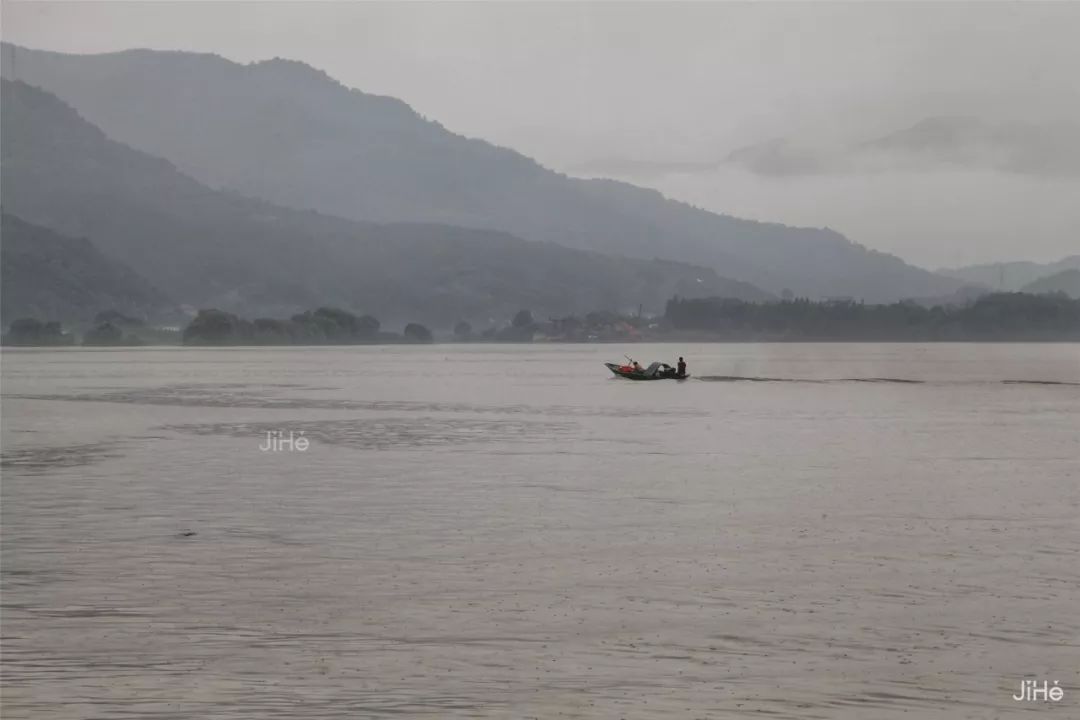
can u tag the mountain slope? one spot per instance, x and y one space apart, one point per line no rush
49 276
287 133
1011 275
1066 281
210 248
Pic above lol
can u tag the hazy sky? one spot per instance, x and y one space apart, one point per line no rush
604 88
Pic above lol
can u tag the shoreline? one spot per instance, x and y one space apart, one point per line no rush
561 343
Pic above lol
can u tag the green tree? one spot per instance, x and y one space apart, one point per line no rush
414 332
522 319
463 330
34 332
104 334
217 327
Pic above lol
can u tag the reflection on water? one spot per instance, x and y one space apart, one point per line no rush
390 432
841 531
234 396
42 459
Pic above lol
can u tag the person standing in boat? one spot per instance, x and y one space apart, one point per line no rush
681 368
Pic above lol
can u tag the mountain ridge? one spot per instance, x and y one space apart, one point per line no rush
1012 275
289 133
1065 281
206 247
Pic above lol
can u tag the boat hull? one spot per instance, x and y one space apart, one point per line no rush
621 371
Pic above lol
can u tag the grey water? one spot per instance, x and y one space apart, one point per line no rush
797 531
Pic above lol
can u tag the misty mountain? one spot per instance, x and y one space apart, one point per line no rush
50 276
1066 281
778 156
205 247
1011 275
287 133
943 142
933 143
976 143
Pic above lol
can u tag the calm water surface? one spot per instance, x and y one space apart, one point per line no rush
508 532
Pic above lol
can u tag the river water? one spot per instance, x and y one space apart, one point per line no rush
798 531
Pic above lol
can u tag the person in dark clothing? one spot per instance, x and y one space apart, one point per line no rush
681 369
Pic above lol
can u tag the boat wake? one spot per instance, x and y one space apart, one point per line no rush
752 378
1041 382
884 380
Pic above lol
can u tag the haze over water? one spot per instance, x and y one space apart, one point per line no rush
804 531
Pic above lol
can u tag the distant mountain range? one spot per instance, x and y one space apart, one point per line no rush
212 248
1010 275
290 135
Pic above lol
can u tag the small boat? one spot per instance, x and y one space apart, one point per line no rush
656 371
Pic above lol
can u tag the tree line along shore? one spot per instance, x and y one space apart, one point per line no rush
993 317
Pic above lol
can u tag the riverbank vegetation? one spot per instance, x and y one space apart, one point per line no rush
324 326
994 317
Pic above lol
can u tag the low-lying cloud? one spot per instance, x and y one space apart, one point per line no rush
946 143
